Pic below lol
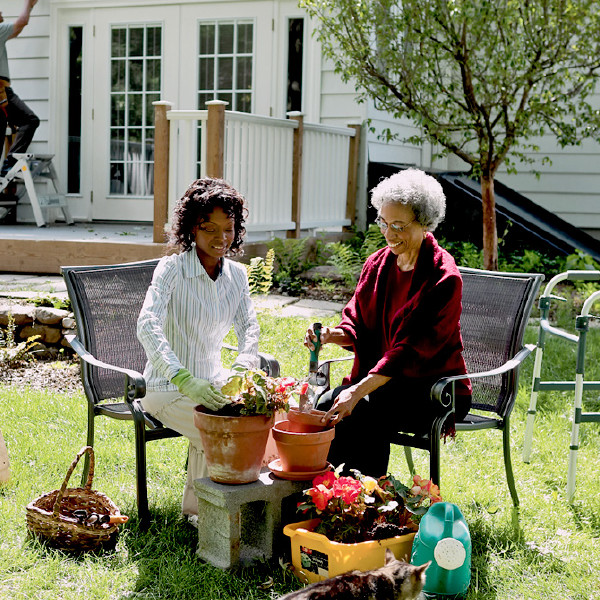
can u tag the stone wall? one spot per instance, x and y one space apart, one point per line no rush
51 324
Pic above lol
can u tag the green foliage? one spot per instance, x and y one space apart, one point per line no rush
291 259
52 301
260 273
349 257
11 353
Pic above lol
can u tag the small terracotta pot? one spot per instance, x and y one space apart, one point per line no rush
310 417
302 447
234 447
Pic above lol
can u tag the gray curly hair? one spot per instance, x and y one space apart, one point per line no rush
414 188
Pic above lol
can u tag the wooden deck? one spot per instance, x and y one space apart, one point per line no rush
31 249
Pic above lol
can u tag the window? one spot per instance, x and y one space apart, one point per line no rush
135 85
225 63
294 69
74 125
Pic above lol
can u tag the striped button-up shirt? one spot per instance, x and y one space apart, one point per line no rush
186 316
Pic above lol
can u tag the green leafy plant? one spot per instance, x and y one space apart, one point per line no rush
253 392
52 301
260 273
11 353
357 509
349 257
292 259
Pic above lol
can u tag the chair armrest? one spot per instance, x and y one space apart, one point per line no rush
439 386
136 384
268 362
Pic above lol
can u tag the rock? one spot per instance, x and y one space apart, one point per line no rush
21 314
48 335
50 316
68 323
327 272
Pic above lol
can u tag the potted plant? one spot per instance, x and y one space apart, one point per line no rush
352 520
235 437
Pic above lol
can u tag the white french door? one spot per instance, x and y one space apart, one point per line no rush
134 51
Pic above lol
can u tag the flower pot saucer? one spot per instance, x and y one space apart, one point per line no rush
277 470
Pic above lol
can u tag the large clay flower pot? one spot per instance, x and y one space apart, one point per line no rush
234 447
302 447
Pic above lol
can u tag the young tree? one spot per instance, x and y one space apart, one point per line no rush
481 78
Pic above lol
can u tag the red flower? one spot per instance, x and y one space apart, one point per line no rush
320 496
327 479
347 488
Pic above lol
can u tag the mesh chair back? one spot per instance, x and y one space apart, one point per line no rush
106 302
496 307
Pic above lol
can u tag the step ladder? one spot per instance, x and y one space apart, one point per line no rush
35 167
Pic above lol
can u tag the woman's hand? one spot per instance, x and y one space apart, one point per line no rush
329 335
343 406
349 397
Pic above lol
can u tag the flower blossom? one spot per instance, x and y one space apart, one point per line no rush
426 489
320 496
347 488
327 479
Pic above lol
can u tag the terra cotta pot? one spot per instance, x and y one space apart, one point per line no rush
302 447
234 447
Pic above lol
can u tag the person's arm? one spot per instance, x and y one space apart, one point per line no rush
23 18
348 398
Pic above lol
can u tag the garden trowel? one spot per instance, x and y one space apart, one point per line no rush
307 398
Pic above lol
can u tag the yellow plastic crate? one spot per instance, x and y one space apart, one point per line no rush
315 557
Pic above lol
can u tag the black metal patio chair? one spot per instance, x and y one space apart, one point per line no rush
106 301
496 308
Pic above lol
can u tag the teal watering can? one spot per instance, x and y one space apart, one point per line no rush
444 539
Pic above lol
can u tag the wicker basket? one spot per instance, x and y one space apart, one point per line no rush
51 515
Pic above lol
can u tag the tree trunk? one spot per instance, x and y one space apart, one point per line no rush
490 235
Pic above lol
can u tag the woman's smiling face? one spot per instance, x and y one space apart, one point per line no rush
214 236
410 238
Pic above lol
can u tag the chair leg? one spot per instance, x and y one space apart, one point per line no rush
409 460
510 478
434 459
528 439
89 442
140 465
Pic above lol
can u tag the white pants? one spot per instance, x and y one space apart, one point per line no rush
176 411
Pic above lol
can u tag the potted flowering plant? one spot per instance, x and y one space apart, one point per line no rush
235 437
352 520
360 508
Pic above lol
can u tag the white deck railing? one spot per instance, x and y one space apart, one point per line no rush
258 158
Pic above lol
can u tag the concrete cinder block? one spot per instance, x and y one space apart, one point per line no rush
238 524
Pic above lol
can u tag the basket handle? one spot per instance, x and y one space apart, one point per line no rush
88 485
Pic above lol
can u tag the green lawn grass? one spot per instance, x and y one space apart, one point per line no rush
551 551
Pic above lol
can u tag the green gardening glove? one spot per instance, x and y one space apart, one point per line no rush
199 390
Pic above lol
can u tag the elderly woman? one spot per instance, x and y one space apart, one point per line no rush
402 324
194 298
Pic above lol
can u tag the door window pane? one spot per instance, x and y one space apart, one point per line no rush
225 63
136 66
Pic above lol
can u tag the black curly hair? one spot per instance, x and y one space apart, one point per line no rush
196 205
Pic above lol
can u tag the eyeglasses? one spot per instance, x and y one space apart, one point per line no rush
393 226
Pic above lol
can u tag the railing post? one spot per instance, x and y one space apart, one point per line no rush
215 138
353 155
161 169
297 173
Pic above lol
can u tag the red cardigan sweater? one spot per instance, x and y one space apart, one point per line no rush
421 338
